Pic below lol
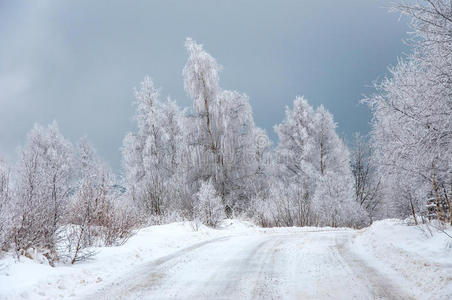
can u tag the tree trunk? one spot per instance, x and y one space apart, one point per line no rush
206 106
438 204
449 203
322 166
413 211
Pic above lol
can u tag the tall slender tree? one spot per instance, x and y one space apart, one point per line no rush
223 132
152 156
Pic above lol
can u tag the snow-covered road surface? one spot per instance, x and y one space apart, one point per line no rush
389 260
303 265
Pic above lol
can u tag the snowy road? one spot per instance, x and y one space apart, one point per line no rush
305 265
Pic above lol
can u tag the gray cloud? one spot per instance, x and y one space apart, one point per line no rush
77 62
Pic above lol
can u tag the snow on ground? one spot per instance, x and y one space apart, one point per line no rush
29 279
410 255
387 260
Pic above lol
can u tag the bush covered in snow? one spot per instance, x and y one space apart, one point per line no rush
207 207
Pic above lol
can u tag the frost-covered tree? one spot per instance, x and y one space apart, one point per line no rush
295 155
97 216
259 185
236 157
44 176
412 127
316 181
201 83
141 151
94 187
222 133
296 139
87 203
208 207
328 146
5 202
334 199
367 185
152 156
174 151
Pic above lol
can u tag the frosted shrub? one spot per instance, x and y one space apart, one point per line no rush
166 217
208 207
99 215
262 211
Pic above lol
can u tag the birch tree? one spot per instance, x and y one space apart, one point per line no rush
222 137
44 175
152 156
295 155
334 200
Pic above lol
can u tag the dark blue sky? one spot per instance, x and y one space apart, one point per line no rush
78 62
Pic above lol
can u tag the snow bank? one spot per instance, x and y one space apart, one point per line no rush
410 255
406 255
29 279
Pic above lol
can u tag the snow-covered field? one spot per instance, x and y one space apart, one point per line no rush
388 260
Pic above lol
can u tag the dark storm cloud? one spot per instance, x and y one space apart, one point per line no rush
77 62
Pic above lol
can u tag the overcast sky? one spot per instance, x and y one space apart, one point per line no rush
77 62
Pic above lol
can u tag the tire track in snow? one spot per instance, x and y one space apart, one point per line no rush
144 277
380 286
271 266
237 277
